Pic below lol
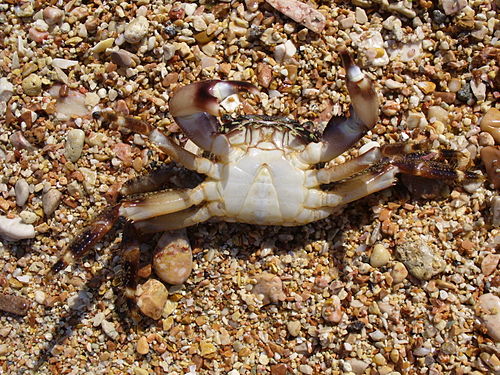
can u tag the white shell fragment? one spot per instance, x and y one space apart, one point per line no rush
63 63
6 91
15 229
301 13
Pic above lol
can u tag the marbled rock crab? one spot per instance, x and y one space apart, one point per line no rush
260 170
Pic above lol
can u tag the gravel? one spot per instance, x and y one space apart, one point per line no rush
426 309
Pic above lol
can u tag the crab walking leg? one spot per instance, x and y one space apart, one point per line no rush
165 144
196 106
166 176
166 202
131 255
343 171
343 132
361 186
177 220
87 239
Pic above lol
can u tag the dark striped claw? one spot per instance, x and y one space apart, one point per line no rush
87 239
195 107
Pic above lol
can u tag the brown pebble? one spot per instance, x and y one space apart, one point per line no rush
270 287
14 304
264 75
490 264
447 97
491 123
142 346
491 158
280 369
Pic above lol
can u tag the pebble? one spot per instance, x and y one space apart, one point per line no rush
20 142
53 15
358 366
152 298
207 349
173 259
142 346
361 16
74 144
454 85
490 314
485 139
15 229
32 85
28 217
124 59
264 75
478 88
399 273
438 113
136 30
490 157
64 63
301 13
103 45
491 123
420 259
6 91
438 16
270 287
427 87
332 310
109 329
453 6
380 256
283 52
495 211
22 190
490 263
306 369
14 304
465 93
40 297
50 201
377 335
294 327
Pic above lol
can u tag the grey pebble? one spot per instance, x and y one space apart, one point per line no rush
74 144
421 261
124 59
465 93
50 201
495 211
22 190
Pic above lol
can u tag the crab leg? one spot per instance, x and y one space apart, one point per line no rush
343 132
166 176
176 220
166 202
343 171
87 239
164 143
195 107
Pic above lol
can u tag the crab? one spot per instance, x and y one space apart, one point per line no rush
260 170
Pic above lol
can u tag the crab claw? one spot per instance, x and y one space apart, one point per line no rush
343 132
363 96
195 107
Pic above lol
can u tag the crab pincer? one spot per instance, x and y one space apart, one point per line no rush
195 107
343 132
